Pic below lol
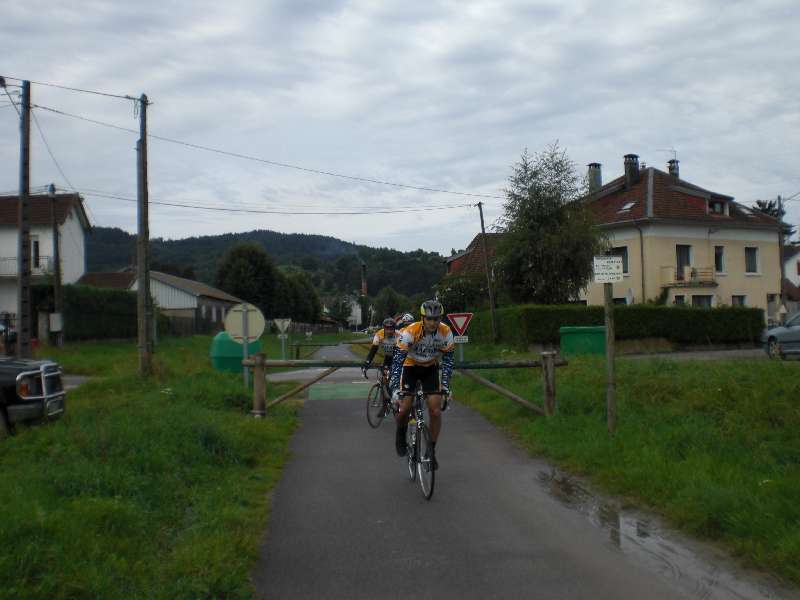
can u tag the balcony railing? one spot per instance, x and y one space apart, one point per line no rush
42 266
688 277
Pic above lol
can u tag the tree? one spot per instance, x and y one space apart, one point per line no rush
389 302
339 308
770 207
550 237
463 293
246 271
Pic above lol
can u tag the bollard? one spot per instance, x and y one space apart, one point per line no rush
549 383
259 386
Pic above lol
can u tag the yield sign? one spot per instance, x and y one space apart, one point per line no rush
460 321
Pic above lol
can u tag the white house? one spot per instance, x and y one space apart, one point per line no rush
73 225
791 263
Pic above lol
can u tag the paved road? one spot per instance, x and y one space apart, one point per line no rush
346 523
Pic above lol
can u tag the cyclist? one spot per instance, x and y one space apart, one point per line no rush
423 348
385 339
404 321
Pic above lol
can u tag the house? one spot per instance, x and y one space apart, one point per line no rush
470 262
73 225
191 305
683 243
791 282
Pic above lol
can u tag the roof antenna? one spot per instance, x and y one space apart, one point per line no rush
671 150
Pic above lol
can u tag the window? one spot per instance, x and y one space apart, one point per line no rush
35 251
203 311
213 314
622 301
701 301
719 259
751 260
738 300
680 300
683 256
623 252
626 207
716 207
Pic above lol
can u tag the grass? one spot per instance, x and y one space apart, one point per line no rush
154 489
713 446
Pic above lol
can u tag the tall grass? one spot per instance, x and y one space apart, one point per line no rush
714 446
154 489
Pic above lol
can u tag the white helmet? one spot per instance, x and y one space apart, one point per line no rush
406 320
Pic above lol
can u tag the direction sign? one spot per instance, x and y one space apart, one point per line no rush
244 317
461 339
460 322
607 269
282 324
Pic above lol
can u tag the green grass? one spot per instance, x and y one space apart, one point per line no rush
713 446
153 489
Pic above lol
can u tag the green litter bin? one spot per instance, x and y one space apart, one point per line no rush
583 340
227 355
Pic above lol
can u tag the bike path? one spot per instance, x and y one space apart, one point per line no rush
347 523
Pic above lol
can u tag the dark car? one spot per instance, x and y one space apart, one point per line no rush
783 340
30 390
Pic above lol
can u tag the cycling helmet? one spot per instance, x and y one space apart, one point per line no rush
432 308
388 323
406 320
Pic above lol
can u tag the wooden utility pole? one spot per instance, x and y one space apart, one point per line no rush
488 276
781 300
611 381
58 338
24 226
144 303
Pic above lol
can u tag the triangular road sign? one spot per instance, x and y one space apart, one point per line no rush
460 321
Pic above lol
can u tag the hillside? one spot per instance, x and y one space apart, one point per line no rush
333 264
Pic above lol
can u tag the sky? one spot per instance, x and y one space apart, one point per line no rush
441 94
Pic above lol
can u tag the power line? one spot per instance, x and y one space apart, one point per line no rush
272 162
49 150
74 89
10 99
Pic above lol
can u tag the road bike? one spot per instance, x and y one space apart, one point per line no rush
420 446
379 401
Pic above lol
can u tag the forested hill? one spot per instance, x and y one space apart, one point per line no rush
334 265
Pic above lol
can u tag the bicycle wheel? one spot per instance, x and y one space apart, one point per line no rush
412 443
375 406
427 476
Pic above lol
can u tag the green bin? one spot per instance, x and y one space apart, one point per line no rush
583 340
227 355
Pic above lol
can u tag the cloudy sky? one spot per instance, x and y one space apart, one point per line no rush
437 94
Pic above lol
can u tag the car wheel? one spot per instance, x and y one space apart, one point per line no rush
774 348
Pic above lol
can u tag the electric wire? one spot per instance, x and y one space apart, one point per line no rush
74 89
50 150
10 99
272 162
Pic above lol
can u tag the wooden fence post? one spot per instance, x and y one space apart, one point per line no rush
549 382
259 386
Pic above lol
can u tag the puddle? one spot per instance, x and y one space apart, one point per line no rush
697 569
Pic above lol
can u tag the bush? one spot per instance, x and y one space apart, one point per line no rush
530 324
92 313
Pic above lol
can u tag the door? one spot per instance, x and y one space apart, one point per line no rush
683 255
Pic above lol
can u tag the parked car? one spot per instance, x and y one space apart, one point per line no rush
783 340
30 390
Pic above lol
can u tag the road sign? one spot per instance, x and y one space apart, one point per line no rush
460 322
282 324
283 336
244 320
607 269
461 339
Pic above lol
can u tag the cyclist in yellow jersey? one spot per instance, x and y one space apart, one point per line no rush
385 339
424 354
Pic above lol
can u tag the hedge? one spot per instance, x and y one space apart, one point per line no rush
92 313
530 324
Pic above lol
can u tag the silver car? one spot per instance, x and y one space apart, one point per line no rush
784 339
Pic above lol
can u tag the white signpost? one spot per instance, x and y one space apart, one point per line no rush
460 322
283 326
245 324
608 271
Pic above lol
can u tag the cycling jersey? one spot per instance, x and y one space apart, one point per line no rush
417 348
386 344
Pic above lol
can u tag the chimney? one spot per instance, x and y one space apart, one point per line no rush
595 177
631 169
363 278
673 168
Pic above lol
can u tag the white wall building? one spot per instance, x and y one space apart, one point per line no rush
73 225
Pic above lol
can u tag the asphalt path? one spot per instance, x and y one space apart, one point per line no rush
347 523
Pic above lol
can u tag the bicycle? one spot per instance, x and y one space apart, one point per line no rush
419 442
379 402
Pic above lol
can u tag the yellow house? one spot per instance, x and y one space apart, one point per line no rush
683 243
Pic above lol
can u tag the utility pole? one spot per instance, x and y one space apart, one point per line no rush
782 297
24 226
57 297
144 303
488 276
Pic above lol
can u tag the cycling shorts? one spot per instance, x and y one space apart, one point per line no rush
428 375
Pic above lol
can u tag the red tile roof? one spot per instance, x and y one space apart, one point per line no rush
470 262
40 209
670 199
